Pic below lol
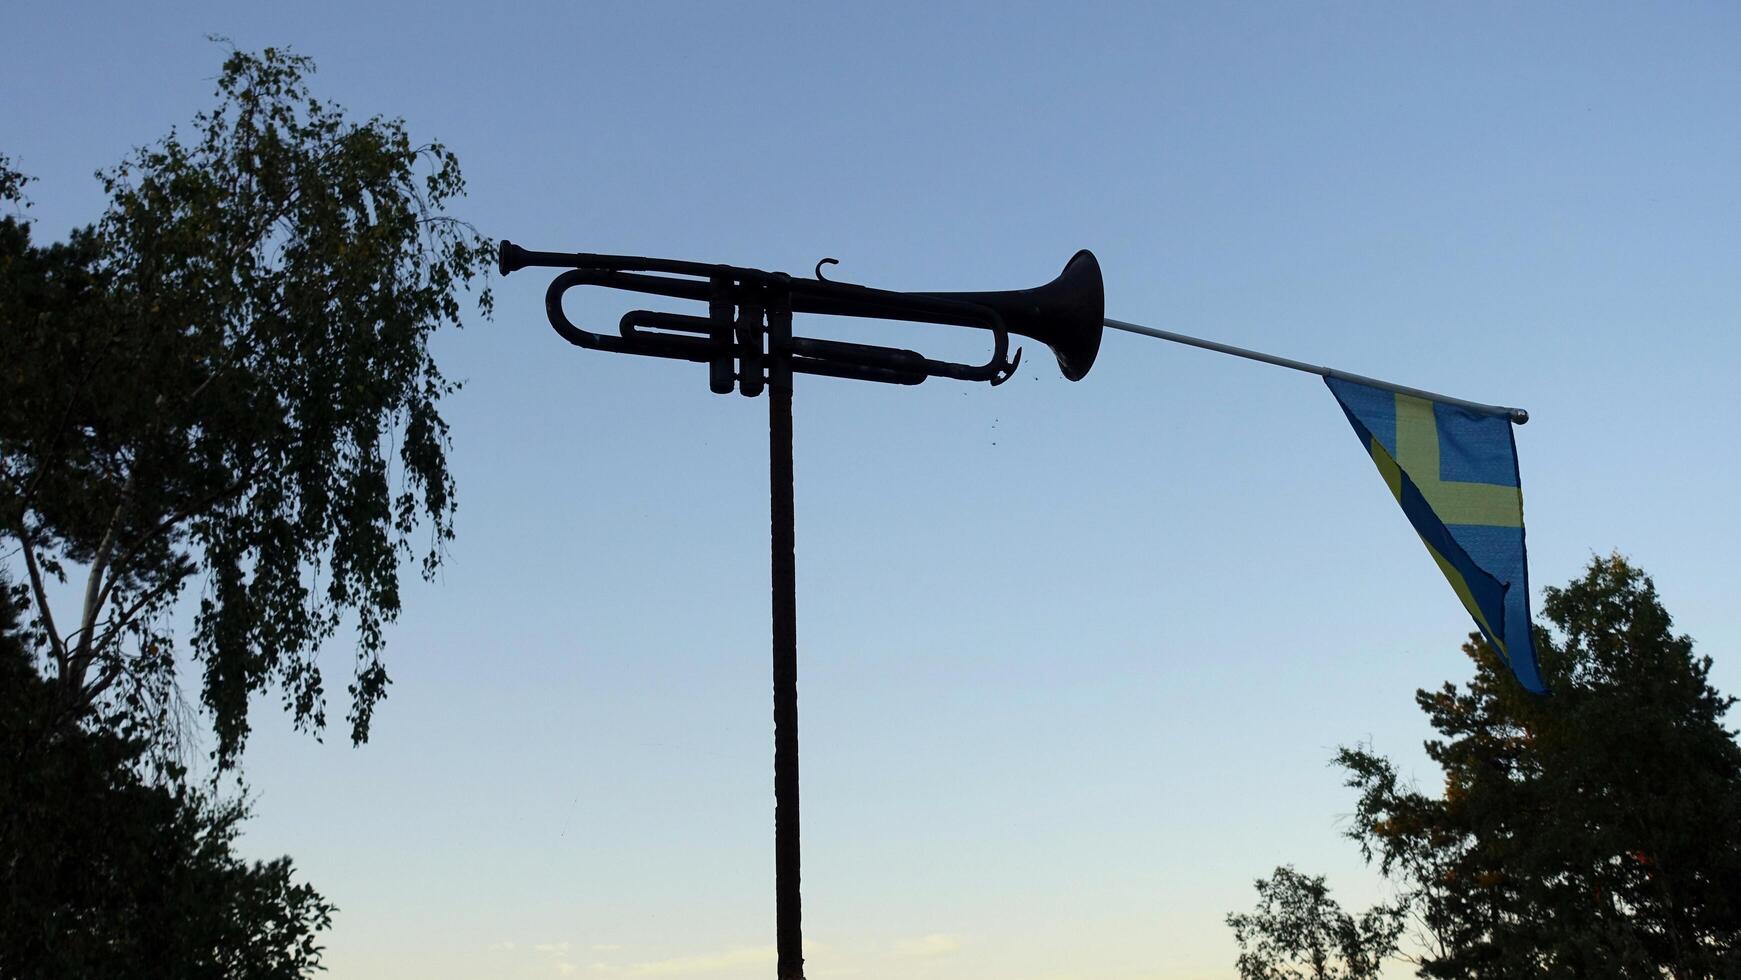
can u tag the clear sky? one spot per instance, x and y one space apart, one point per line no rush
1074 656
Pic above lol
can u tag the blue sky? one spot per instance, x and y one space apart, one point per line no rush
1074 656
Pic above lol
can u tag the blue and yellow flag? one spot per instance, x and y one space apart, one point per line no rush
1455 473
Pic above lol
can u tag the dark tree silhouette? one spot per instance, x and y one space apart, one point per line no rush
1594 833
226 383
106 874
1298 932
223 386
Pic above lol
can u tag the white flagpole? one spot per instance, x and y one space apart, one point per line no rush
1516 415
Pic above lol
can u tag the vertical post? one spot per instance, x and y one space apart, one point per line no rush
789 933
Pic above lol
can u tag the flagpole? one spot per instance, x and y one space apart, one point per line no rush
1517 415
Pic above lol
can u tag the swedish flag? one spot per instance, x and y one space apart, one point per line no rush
1455 473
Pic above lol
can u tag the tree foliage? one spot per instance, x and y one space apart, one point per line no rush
106 874
1298 932
1595 833
226 384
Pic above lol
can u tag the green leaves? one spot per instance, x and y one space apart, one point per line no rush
226 385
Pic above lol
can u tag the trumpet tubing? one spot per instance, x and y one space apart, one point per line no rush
733 338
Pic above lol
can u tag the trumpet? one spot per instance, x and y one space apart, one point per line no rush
746 337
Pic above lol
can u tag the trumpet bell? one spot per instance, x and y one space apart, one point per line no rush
1066 314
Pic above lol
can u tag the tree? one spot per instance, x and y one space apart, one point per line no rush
1594 833
226 383
1298 932
104 874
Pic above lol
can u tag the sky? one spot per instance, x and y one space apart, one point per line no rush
1074 657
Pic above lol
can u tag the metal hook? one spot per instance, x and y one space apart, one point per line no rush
819 276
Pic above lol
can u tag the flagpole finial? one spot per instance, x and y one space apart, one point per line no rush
1519 416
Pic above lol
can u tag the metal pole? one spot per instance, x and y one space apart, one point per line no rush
1516 415
788 917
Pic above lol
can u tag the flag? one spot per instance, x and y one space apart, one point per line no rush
1455 473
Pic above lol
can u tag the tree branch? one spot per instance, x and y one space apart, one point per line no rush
169 524
125 619
88 696
55 644
95 595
